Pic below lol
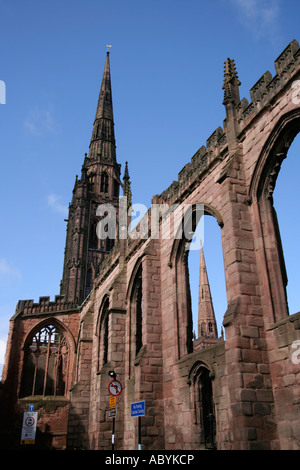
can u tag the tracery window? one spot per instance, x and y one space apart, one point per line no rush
46 363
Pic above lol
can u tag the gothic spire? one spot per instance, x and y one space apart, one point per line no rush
207 326
103 144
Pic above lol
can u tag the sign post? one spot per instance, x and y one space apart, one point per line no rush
137 410
29 427
115 389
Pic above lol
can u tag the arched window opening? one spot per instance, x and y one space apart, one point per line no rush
104 335
137 310
203 405
88 285
104 182
207 284
276 254
286 200
93 241
116 188
46 363
91 181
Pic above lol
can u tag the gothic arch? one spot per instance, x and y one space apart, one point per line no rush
260 195
272 155
48 355
134 299
178 262
188 221
200 381
195 370
104 300
133 276
102 331
54 322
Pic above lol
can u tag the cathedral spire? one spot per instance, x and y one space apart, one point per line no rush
207 326
103 144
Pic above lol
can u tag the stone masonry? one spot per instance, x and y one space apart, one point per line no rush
238 393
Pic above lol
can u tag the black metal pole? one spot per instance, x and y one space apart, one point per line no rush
140 435
113 435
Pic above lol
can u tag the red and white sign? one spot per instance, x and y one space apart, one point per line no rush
115 388
29 427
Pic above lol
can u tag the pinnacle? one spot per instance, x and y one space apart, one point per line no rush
127 186
230 72
231 83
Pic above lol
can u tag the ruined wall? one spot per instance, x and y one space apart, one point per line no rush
255 381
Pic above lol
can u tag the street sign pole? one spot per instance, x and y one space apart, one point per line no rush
115 389
137 410
113 434
140 435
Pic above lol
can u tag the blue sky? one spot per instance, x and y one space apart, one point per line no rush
167 61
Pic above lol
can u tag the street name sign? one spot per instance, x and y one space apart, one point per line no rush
137 409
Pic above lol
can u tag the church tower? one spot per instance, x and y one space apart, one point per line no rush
99 184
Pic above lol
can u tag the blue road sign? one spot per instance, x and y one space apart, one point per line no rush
137 409
31 407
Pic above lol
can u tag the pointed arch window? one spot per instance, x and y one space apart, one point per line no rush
266 204
88 285
194 304
203 405
104 335
46 363
136 308
104 182
91 181
135 316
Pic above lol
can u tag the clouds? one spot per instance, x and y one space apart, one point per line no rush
56 205
8 272
260 17
40 121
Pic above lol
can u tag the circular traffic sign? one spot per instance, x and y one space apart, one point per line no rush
29 421
115 388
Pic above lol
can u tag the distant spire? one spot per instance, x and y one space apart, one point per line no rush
103 144
207 326
127 186
231 83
